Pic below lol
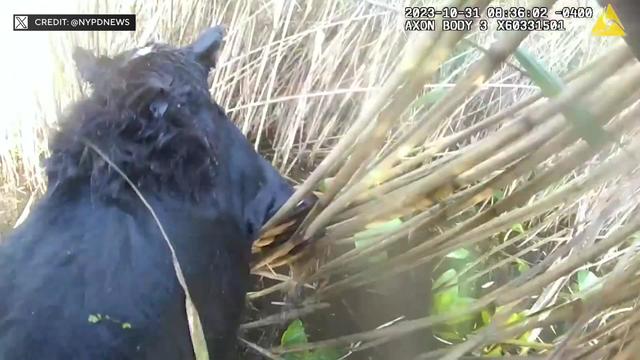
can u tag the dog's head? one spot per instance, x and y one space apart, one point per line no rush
151 114
148 73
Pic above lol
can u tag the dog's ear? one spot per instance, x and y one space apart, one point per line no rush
207 46
90 67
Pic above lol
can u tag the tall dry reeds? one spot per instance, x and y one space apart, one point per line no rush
436 141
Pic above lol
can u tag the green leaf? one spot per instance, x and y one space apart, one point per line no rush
516 318
294 335
449 301
518 228
367 237
324 354
577 114
498 195
366 242
126 325
443 300
495 352
587 281
447 278
464 302
433 96
522 266
324 185
549 83
513 317
363 242
449 335
486 317
459 254
377 228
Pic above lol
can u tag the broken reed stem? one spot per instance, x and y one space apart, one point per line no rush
280 287
281 318
260 350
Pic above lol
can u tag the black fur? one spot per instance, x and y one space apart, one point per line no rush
88 275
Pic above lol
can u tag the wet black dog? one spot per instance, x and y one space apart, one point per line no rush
89 274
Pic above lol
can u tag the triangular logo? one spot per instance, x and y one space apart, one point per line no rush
608 24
